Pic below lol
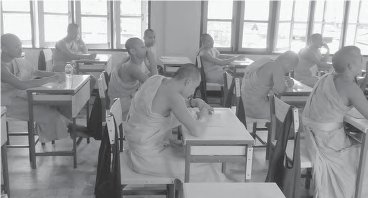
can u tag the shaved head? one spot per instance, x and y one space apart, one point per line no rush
315 37
204 37
133 43
290 57
148 32
8 40
187 71
11 46
345 57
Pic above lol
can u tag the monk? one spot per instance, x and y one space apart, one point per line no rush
152 115
17 75
127 77
311 56
266 75
335 156
149 41
213 61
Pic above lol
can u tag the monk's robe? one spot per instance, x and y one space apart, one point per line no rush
214 73
123 90
60 58
303 73
253 93
50 124
335 157
149 152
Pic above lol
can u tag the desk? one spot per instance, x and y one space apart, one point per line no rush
234 190
4 157
297 95
240 65
57 94
225 140
361 124
171 64
101 63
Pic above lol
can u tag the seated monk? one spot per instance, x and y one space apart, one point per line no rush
152 115
127 77
213 61
17 75
266 75
311 56
335 156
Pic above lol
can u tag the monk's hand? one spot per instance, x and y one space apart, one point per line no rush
92 56
289 81
57 78
202 106
240 57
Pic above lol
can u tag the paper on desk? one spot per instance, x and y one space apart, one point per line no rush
356 114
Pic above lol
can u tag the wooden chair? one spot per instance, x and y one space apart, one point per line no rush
103 83
128 175
275 105
204 84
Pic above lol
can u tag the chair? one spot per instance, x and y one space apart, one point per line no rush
128 175
102 90
305 162
45 62
203 86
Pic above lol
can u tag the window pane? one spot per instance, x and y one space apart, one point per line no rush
334 11
362 39
286 10
55 27
22 29
220 9
350 35
91 34
363 18
331 35
317 28
130 8
16 6
254 35
55 6
318 13
353 12
130 27
256 10
283 36
299 38
220 32
301 11
98 7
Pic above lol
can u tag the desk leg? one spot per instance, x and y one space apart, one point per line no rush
4 159
362 162
31 139
187 163
74 143
248 164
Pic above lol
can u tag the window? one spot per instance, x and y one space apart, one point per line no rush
357 30
17 20
292 26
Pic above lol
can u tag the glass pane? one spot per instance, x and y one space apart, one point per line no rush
362 39
55 6
254 35
91 34
130 8
350 35
317 28
23 27
299 38
363 18
331 35
220 9
334 11
318 13
301 11
98 7
283 36
256 10
220 32
130 27
353 12
16 6
55 27
286 10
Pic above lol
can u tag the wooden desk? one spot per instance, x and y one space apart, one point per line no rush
297 95
4 156
57 94
362 124
100 64
239 66
225 140
171 64
233 190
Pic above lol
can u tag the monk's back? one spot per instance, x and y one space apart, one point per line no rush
160 100
304 64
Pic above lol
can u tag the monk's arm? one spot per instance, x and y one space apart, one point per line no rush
62 46
363 85
42 74
314 59
152 62
222 62
136 73
279 84
326 56
357 98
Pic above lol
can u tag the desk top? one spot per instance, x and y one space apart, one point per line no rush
299 89
224 126
171 60
235 190
356 119
100 58
60 88
242 63
3 110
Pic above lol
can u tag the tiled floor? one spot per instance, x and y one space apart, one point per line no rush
55 177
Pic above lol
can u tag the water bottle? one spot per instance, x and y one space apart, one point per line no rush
68 75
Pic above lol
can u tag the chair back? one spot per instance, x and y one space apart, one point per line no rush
116 111
203 85
103 92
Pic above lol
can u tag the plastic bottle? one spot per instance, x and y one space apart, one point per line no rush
68 75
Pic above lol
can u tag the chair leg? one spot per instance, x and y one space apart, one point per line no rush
7 134
121 142
308 178
254 131
74 143
32 144
53 142
223 167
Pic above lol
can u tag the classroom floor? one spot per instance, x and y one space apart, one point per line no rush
55 177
